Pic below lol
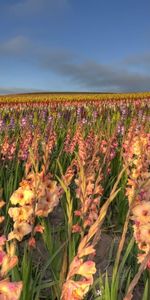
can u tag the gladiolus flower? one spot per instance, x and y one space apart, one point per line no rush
76 228
20 230
77 213
10 290
2 241
2 203
36 196
141 212
75 290
39 228
32 242
8 263
2 218
2 254
20 214
87 269
22 196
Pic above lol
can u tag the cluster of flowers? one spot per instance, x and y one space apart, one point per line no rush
137 154
8 148
87 192
37 195
83 267
8 260
25 142
92 151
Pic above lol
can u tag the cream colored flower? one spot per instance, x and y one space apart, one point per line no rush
20 230
20 214
10 290
22 196
141 212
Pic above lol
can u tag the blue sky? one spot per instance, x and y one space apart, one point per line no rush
74 45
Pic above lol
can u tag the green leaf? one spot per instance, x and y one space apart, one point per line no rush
145 294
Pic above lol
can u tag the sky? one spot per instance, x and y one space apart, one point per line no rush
74 45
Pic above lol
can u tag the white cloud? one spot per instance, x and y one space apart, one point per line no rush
92 75
81 73
15 45
138 60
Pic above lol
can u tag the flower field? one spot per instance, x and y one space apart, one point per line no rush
75 170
